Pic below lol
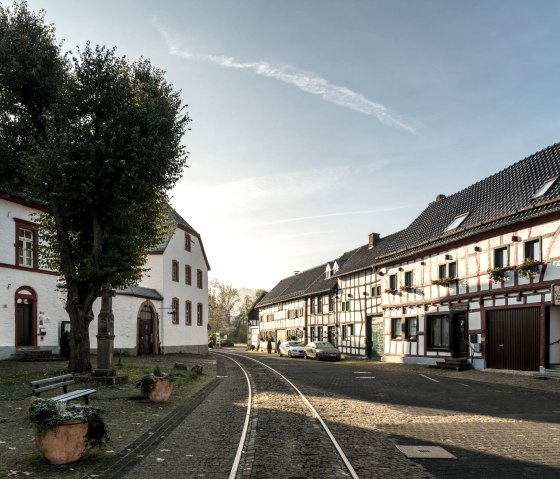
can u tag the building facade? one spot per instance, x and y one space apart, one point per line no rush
470 279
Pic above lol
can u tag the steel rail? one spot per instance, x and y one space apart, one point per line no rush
307 403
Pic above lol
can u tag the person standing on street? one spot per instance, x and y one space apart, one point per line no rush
269 346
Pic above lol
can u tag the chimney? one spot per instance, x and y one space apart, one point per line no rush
373 237
440 197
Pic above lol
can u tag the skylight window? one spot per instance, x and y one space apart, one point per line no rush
545 187
457 221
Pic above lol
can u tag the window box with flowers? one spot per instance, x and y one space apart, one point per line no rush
390 291
406 289
442 281
498 274
529 268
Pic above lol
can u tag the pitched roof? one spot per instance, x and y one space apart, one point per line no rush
306 283
180 223
504 198
141 292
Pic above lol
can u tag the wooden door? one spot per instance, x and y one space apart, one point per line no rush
146 331
460 338
24 325
513 338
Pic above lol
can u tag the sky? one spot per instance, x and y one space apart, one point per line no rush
317 122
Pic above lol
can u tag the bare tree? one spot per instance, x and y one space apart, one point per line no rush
222 300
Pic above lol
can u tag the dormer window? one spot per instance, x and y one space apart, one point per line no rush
545 187
457 221
328 271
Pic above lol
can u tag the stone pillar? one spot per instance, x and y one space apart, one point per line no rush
105 334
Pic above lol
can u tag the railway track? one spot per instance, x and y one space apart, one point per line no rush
283 434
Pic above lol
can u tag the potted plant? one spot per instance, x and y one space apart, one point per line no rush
529 268
497 274
157 385
62 431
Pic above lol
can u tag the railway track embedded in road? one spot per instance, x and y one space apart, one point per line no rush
283 434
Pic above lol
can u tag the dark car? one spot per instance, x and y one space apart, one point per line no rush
321 350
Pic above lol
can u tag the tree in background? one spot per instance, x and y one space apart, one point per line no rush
98 139
240 322
222 301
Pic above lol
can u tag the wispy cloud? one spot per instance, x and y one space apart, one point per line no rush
322 216
305 81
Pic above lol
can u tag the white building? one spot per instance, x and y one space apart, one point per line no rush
166 313
31 311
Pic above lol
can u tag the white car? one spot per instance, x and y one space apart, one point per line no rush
292 349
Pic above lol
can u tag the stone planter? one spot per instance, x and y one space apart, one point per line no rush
161 391
62 444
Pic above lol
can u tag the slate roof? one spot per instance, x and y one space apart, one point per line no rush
140 292
502 199
306 283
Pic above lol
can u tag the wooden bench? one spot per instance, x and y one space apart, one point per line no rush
56 382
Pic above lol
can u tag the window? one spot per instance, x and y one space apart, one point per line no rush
199 278
448 270
396 328
347 330
188 242
319 333
376 291
188 313
408 279
344 334
438 332
393 282
452 270
545 187
26 245
331 303
175 311
312 336
175 270
199 314
188 275
501 259
345 306
457 221
350 330
533 249
320 304
312 307
411 328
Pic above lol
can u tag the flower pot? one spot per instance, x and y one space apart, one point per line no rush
62 444
161 391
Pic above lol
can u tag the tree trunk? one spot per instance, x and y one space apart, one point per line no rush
80 318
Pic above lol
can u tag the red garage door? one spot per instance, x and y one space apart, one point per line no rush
513 338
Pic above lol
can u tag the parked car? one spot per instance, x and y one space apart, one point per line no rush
321 350
291 349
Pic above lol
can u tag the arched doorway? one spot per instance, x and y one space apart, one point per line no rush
147 329
26 314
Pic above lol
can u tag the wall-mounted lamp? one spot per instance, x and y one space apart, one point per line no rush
478 249
401 268
448 257
515 238
422 263
349 295
365 293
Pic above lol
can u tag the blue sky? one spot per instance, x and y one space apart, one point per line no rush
317 122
